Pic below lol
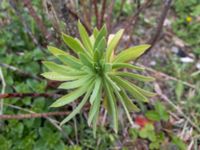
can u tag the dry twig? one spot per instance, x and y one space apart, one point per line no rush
103 9
109 15
159 27
39 22
33 115
22 95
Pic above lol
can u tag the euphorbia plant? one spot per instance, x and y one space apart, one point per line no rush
95 73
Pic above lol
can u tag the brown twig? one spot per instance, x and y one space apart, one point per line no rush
109 15
103 9
32 12
159 27
131 23
75 15
33 115
96 12
121 7
21 95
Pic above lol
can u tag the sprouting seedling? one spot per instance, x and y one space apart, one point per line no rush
95 74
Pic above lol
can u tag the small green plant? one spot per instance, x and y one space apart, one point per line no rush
158 114
96 73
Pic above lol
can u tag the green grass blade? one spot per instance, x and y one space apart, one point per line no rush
134 76
126 65
131 53
79 107
128 87
125 107
113 44
84 37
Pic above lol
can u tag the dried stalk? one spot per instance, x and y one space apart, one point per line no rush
109 16
22 95
96 13
39 22
159 27
103 9
33 115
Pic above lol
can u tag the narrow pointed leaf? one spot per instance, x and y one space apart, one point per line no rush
114 85
70 97
144 92
76 83
86 60
113 44
131 53
134 76
60 69
55 51
58 77
78 108
70 61
125 108
128 87
95 32
72 43
112 104
95 90
126 65
94 108
102 33
84 37
129 104
94 124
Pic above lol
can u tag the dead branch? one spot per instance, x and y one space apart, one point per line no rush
22 95
131 23
159 27
109 15
103 9
39 22
33 115
26 27
76 16
96 12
